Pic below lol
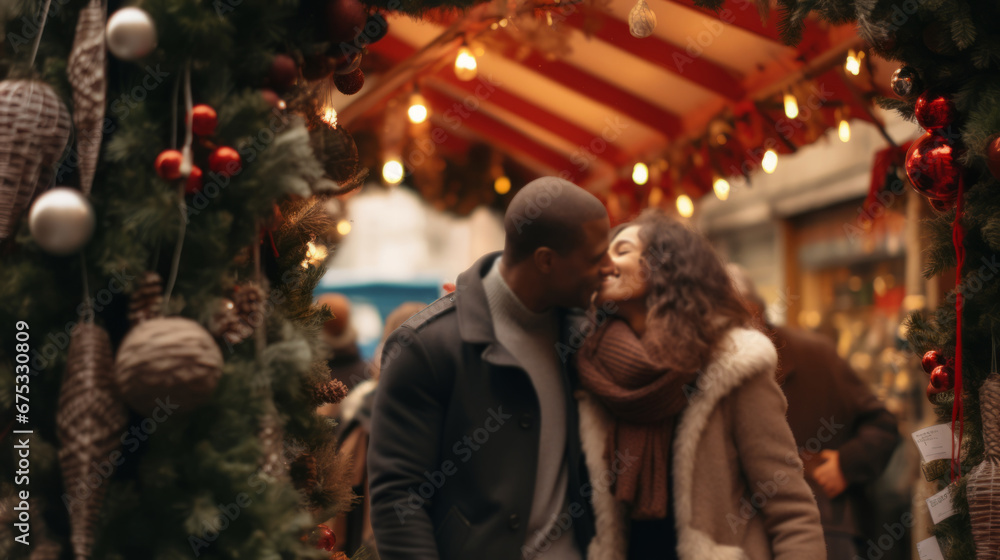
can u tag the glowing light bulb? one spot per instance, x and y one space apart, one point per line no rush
343 227
791 106
853 63
685 206
418 109
315 255
770 161
721 188
392 172
844 131
640 173
465 64
329 116
502 185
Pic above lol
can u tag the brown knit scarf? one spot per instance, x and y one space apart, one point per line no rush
644 399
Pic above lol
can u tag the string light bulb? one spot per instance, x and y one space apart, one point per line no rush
685 206
721 188
329 116
392 171
502 185
343 227
770 161
640 173
315 255
465 64
791 106
853 63
844 131
418 108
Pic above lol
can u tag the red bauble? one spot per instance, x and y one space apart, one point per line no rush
943 377
993 157
168 164
932 166
193 183
344 20
931 360
322 537
349 84
272 98
203 120
225 161
934 111
283 73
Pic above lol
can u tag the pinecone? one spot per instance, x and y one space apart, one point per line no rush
147 299
329 392
249 304
227 324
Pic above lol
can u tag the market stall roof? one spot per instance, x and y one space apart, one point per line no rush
568 88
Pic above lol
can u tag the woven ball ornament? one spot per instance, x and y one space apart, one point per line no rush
983 488
167 358
932 167
131 34
349 84
90 422
34 130
61 221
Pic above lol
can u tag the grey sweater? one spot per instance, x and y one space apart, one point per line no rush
531 337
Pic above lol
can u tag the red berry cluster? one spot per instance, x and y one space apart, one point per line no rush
223 160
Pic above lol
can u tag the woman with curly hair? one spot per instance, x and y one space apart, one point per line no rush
682 422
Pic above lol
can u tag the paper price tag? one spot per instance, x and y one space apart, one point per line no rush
929 549
942 504
934 442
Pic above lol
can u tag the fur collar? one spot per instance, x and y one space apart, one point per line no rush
742 354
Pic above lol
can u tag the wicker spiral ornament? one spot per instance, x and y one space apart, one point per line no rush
167 358
641 20
146 301
983 490
90 421
86 72
34 130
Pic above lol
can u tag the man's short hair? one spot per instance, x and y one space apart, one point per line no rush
548 212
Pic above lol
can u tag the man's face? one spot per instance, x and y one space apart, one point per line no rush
578 274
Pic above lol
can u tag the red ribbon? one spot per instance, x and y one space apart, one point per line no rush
957 411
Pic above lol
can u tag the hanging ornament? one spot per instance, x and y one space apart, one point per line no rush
167 357
349 84
86 73
336 151
932 359
938 39
61 221
131 34
203 120
932 167
168 164
943 377
344 20
146 302
934 111
34 131
983 489
349 63
90 421
992 158
193 183
641 20
905 81
283 73
322 537
225 161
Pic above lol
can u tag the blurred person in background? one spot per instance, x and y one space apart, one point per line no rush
844 434
353 528
340 338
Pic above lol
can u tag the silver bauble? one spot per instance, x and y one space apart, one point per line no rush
61 221
131 34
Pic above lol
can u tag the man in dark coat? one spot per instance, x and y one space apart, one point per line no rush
844 433
474 450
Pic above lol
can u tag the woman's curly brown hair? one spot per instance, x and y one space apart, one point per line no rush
691 301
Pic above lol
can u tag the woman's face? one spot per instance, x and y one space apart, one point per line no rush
627 280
